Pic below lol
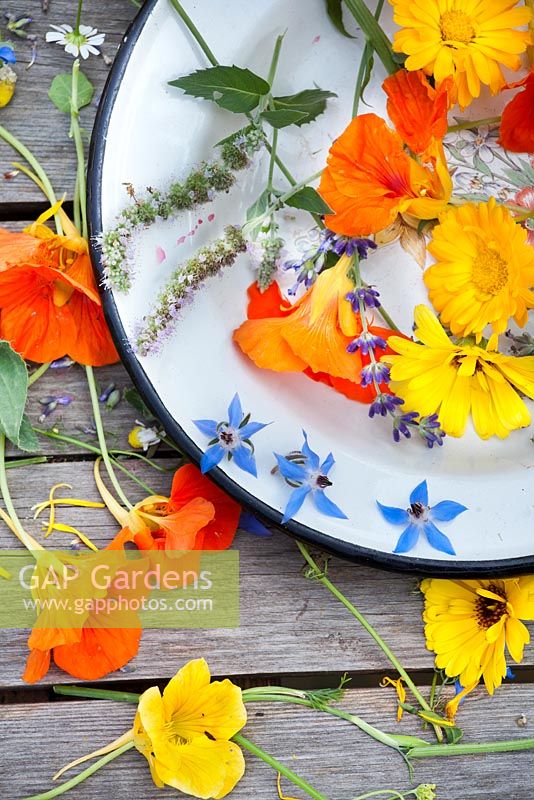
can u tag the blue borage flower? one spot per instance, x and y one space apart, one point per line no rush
231 439
304 471
7 54
420 518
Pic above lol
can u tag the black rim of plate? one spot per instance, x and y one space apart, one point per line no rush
352 552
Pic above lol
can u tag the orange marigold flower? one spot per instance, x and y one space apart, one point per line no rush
417 110
517 120
311 336
370 179
48 296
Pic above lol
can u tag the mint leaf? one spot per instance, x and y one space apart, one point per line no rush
283 117
259 206
13 391
27 440
238 90
334 9
309 199
60 92
310 103
133 397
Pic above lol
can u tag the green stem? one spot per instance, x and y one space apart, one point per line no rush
86 446
364 61
37 168
65 787
78 16
36 374
96 694
274 60
393 794
321 577
76 213
28 541
509 746
102 437
473 123
76 134
279 202
374 34
26 462
387 319
195 31
272 160
278 766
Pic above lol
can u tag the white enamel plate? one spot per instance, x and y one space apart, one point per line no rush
149 134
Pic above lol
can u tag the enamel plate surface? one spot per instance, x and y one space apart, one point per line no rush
148 134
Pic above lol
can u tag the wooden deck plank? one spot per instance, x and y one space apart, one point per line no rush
288 623
32 117
338 759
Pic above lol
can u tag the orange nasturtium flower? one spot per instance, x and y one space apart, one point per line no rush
197 516
49 300
310 336
416 109
517 120
370 179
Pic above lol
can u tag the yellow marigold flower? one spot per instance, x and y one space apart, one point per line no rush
8 79
468 40
484 269
185 733
456 380
470 624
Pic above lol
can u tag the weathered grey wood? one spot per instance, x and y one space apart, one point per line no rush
288 624
339 760
31 116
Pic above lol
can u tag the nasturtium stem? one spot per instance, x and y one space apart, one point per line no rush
321 577
102 437
26 462
38 373
97 694
37 168
430 750
86 773
473 123
28 541
81 191
278 766
374 33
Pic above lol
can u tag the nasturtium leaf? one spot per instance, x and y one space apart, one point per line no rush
310 102
27 439
309 199
133 397
60 92
283 117
233 88
334 9
13 391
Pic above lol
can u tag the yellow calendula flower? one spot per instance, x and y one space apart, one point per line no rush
184 734
467 40
470 624
435 375
8 79
484 269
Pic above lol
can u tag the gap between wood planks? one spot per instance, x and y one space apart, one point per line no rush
365 679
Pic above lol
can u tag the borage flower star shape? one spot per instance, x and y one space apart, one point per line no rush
420 518
303 470
231 439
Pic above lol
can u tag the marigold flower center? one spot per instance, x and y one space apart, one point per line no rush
489 611
489 272
456 27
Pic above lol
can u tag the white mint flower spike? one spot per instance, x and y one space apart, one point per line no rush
82 42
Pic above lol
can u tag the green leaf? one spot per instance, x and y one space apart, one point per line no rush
309 199
133 397
259 206
310 102
334 9
60 92
453 735
13 391
238 90
282 118
27 440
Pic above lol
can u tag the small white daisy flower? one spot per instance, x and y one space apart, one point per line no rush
82 42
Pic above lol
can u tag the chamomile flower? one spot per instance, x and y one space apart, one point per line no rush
83 41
